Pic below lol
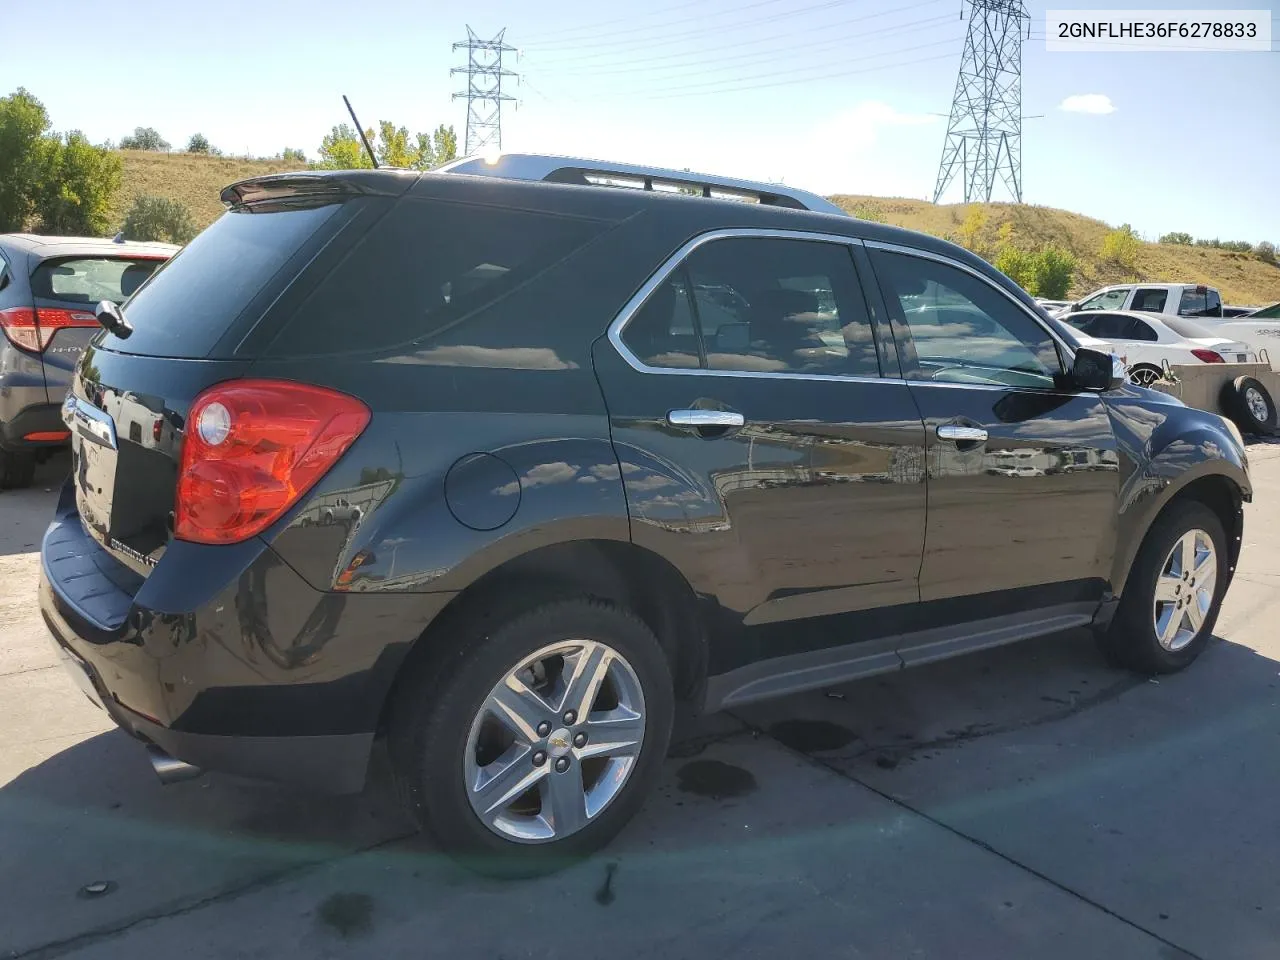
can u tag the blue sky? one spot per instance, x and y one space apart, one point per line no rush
831 95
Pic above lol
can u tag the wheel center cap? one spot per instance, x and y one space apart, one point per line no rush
559 743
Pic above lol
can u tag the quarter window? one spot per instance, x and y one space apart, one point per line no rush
759 305
963 330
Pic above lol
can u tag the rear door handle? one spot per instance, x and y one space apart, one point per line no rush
953 431
705 418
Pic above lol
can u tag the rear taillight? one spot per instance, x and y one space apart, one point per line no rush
33 329
1208 356
252 449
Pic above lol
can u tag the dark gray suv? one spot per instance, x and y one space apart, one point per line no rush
598 451
49 287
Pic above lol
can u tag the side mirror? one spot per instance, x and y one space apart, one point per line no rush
1095 370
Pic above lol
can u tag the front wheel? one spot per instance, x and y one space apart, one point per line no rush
541 742
1174 592
1144 375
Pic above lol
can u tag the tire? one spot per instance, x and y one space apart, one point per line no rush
1133 640
1247 402
1144 374
17 470
443 712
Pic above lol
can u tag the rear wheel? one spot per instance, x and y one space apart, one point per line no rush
1173 594
1249 404
1144 374
16 469
541 742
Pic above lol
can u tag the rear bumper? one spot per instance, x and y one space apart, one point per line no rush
43 418
266 678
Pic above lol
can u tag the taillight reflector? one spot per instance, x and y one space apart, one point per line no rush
33 329
252 448
1208 356
49 435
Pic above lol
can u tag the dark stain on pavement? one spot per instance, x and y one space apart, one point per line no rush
605 895
347 914
714 779
812 736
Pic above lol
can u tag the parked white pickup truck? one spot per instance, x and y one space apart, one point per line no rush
1186 300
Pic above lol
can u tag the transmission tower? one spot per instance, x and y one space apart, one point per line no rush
984 132
484 90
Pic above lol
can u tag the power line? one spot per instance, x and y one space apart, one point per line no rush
696 60
718 27
588 28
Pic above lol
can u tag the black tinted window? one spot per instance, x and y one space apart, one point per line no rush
1150 301
1194 303
962 329
662 332
423 266
1140 330
193 300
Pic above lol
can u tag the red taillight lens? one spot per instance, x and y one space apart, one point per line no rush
252 448
33 329
1208 356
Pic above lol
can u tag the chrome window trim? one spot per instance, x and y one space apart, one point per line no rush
669 266
951 262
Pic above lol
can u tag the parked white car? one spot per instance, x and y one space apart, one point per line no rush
1146 342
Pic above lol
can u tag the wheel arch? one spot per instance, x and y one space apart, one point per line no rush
619 571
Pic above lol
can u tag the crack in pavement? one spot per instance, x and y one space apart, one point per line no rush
18 673
59 948
1114 691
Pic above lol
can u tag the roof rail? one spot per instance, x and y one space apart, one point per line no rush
577 170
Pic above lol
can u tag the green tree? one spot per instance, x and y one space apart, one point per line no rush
1120 246
27 156
394 149
76 197
144 138
1265 251
445 142
341 149
1052 270
159 218
198 143
292 155
1018 266
1178 237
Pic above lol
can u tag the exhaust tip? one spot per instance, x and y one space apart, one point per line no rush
170 769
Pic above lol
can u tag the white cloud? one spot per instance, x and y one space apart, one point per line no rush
1088 103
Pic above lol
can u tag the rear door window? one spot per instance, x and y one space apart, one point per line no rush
1150 300
196 297
89 280
424 266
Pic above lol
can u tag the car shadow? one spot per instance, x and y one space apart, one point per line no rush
29 510
95 812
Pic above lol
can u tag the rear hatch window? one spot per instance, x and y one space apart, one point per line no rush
88 280
198 296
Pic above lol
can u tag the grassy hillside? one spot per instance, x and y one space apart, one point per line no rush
1242 278
197 181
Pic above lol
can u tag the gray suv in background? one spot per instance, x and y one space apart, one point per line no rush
49 287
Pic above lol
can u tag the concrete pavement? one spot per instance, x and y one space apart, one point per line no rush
1023 801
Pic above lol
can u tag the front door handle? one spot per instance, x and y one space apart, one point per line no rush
953 431
724 419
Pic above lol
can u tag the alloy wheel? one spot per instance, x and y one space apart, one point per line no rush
1185 589
554 741
1144 377
1257 405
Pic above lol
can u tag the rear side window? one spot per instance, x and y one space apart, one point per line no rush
425 265
198 295
759 305
88 280
1200 303
1150 301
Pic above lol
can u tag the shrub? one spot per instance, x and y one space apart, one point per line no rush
144 138
293 155
1178 237
974 228
83 180
1238 246
1121 246
1265 251
1052 270
1018 266
864 211
159 218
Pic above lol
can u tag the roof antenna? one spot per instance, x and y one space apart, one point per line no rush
360 130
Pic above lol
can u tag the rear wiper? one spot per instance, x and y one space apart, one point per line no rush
112 320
